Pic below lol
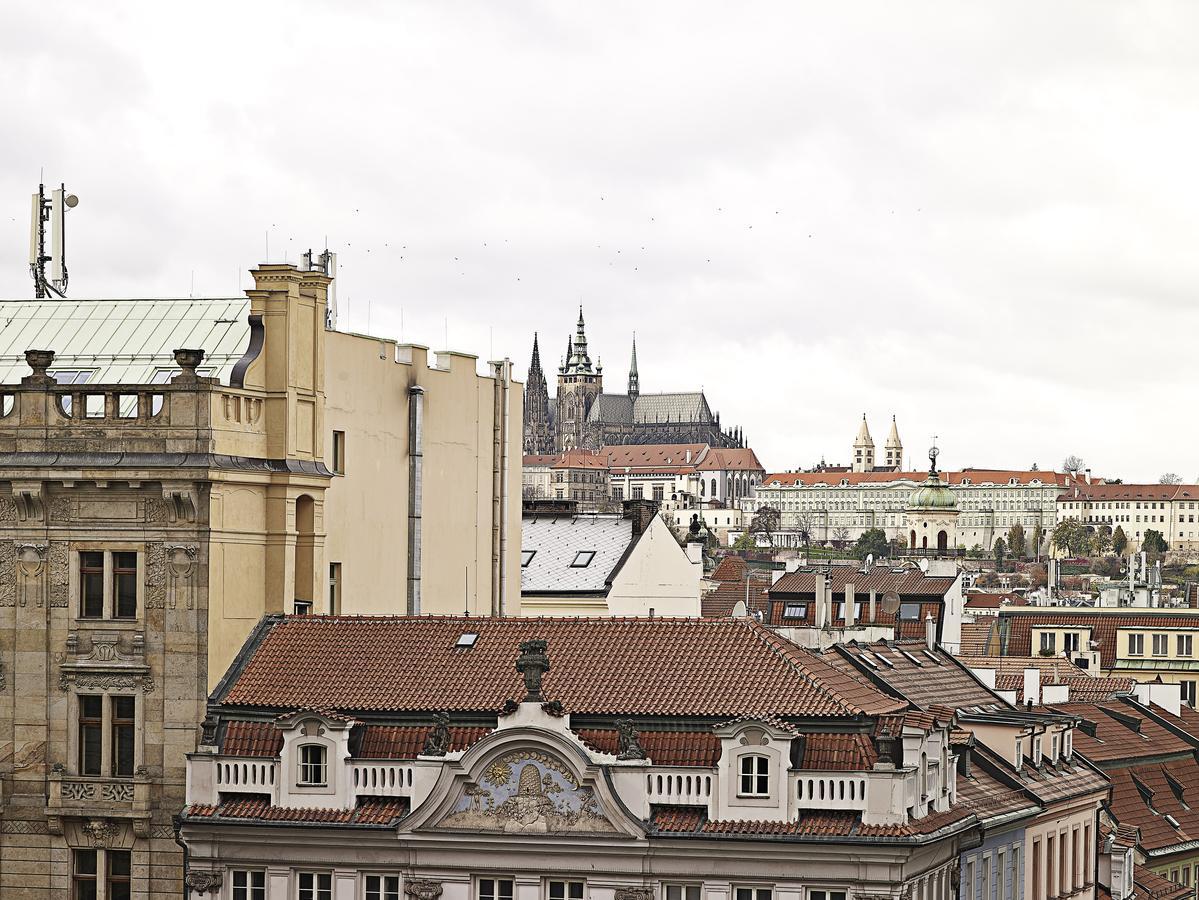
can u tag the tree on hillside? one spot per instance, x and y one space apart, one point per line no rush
1070 535
1038 577
1000 549
1101 540
1038 539
1015 541
805 524
1154 542
1170 478
872 542
766 522
840 536
744 542
1073 464
1119 541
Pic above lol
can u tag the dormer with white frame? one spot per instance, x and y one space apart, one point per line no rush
312 770
754 759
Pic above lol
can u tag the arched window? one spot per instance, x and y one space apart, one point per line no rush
314 769
713 488
755 776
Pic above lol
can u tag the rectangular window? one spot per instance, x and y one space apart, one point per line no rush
1136 645
659 493
303 607
1188 692
826 895
316 886
1185 644
249 884
683 892
382 887
120 872
755 776
312 765
91 733
122 736
565 890
753 893
91 584
495 889
1161 644
335 589
339 453
1070 642
909 612
618 494
1048 642
583 559
124 585
795 610
638 492
83 875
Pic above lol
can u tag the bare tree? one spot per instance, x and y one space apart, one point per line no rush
1170 478
840 536
806 525
1073 464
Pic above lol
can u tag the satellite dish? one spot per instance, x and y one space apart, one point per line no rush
869 560
890 603
924 566
71 201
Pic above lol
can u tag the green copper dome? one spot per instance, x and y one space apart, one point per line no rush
933 493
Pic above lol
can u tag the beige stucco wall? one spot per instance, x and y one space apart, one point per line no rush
366 510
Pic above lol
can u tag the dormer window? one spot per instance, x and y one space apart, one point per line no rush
313 766
755 776
1036 751
795 610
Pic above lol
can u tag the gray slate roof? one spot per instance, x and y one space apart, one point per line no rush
650 408
557 541
122 341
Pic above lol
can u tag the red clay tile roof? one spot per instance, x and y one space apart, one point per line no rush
976 635
1001 477
990 798
1015 626
839 753
694 821
407 741
664 748
924 682
579 459
729 459
721 601
1151 886
1121 733
1130 807
730 568
659 457
981 600
625 666
1084 686
1081 491
252 739
911 582
370 811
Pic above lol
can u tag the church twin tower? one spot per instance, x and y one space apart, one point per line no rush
583 416
863 450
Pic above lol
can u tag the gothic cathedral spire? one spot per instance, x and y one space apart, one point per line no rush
634 378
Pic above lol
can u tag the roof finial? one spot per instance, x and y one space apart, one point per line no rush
933 453
533 663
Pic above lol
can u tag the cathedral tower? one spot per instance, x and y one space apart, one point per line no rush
538 420
863 449
579 383
893 449
634 378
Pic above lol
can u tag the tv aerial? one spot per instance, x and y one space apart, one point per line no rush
49 211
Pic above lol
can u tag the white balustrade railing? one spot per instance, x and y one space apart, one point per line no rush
245 775
828 790
381 779
682 787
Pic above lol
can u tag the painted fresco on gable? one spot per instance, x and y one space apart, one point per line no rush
527 792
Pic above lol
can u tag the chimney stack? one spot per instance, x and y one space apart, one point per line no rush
930 632
850 619
641 512
1032 685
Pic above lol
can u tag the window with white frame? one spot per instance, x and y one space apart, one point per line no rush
382 887
557 889
1136 645
825 894
249 884
682 892
1188 692
493 889
107 584
1071 642
755 776
1185 644
313 765
1161 645
315 886
1048 642
753 893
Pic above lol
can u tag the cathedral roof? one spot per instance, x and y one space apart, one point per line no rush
893 441
863 438
688 407
611 408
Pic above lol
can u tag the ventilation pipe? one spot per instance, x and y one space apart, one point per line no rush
930 632
416 428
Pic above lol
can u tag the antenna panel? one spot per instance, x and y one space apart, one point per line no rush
57 263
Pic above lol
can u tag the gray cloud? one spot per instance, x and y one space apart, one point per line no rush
979 218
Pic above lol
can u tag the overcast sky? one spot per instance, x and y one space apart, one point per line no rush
979 217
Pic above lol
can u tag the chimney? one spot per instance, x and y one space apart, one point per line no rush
930 632
986 676
849 606
641 512
873 595
1032 685
1088 475
821 590
695 552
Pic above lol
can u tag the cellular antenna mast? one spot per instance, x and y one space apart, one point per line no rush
50 210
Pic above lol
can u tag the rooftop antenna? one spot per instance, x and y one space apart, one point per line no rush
50 210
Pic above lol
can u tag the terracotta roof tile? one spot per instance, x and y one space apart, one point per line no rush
664 748
1001 477
407 741
976 635
370 811
721 601
1151 886
1145 794
909 582
839 753
693 820
989 798
925 682
1015 625
252 739
626 666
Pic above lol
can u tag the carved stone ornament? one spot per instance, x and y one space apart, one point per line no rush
633 893
156 582
422 889
104 682
8 580
437 741
533 663
8 510
100 831
208 730
510 706
60 509
204 881
31 558
630 741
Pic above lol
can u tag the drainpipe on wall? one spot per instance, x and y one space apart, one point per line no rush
506 368
416 427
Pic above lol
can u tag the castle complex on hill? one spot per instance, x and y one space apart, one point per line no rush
583 416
